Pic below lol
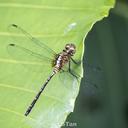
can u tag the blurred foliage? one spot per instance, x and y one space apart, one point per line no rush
103 97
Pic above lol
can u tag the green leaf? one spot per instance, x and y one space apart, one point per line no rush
56 23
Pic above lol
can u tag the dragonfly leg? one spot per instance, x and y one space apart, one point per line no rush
75 62
94 68
62 70
71 72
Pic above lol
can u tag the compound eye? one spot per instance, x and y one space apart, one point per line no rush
67 46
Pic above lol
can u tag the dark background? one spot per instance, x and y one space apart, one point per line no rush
103 96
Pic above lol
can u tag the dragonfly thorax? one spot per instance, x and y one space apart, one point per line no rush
64 57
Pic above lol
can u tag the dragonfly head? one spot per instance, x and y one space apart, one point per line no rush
70 49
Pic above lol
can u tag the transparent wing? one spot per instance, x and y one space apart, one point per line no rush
28 50
23 38
28 58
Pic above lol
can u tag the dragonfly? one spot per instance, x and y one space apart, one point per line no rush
58 60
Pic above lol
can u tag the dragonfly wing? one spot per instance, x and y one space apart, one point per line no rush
23 38
28 58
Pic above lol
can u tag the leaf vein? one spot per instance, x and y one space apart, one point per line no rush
30 91
21 5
